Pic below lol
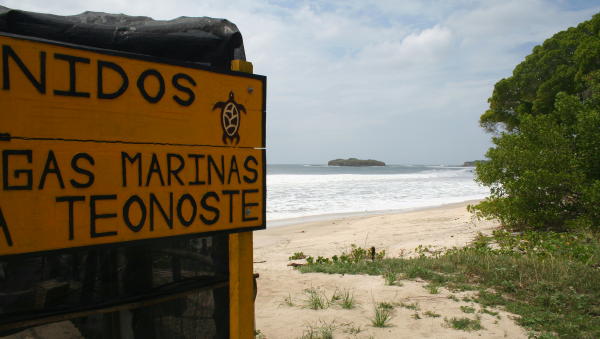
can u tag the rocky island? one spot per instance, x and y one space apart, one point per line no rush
355 162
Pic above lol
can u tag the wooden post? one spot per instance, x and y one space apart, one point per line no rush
241 284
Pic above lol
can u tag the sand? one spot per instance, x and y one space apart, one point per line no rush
399 234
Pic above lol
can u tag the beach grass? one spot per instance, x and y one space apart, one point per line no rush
490 312
319 330
297 255
353 329
550 280
315 299
432 314
413 306
385 305
382 315
288 300
453 297
433 288
347 300
464 324
467 309
390 277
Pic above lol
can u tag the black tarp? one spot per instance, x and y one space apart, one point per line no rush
38 286
209 41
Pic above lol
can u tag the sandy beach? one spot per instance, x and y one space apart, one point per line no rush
399 234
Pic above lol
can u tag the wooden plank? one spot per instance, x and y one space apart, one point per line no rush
126 200
52 90
241 271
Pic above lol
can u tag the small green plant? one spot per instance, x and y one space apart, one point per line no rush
382 316
344 297
320 330
453 297
259 335
288 300
297 255
433 288
490 299
385 305
467 309
323 260
461 286
492 313
352 329
431 314
416 316
413 306
428 251
327 330
464 324
390 277
315 299
347 301
336 296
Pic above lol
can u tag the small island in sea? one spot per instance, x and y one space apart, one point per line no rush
355 162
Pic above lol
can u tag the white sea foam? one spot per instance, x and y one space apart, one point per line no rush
301 194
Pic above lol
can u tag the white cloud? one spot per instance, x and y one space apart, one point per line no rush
423 47
427 40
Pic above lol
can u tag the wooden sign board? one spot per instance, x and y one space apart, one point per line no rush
101 147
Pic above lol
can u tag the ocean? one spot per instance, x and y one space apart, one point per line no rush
300 191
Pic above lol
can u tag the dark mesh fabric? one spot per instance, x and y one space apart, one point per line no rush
81 280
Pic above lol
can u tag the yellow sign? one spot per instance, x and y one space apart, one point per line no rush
101 147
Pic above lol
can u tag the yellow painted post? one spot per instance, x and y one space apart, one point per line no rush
241 66
241 288
241 284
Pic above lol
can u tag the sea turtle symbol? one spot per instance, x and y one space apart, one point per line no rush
230 118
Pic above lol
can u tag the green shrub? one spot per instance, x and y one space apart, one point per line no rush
297 255
544 170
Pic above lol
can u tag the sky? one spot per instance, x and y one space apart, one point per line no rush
399 81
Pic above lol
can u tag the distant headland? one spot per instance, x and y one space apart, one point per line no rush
355 162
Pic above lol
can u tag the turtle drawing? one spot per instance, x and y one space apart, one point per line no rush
230 118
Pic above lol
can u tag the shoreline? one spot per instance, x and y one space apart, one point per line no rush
339 216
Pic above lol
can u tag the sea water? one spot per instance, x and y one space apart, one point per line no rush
295 191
